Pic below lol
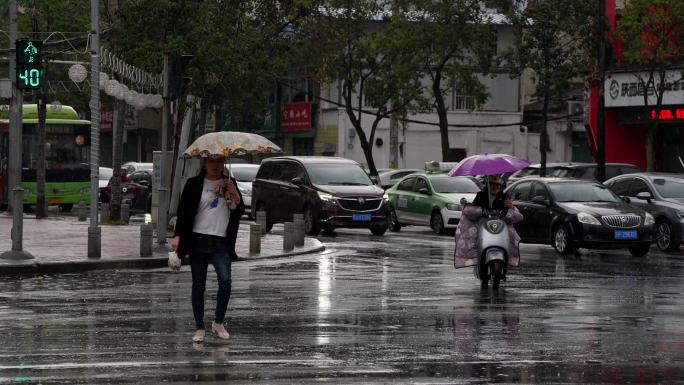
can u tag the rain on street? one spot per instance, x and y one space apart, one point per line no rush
367 310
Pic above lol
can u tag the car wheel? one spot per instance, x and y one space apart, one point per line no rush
262 207
311 225
378 230
664 239
640 250
562 240
437 223
394 224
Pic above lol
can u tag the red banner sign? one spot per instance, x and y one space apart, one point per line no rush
106 119
295 117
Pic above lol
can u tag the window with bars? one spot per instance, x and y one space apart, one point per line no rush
460 101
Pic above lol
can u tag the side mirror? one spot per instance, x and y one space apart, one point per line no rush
298 181
376 180
626 199
539 199
644 195
464 201
424 191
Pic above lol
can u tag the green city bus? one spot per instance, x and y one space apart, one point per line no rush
67 156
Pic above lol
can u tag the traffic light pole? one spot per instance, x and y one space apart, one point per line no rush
94 231
15 200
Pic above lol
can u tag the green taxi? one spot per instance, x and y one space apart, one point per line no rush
429 199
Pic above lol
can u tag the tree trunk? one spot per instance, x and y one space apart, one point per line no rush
544 137
41 201
204 108
117 155
442 114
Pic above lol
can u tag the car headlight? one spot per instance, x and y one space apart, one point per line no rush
454 207
648 219
245 191
588 219
680 214
325 197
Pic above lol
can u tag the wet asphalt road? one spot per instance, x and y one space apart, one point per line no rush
368 310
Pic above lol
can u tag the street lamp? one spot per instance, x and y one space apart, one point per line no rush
77 73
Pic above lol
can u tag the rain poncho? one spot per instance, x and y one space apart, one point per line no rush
466 253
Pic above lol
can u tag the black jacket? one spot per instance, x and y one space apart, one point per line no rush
482 200
187 210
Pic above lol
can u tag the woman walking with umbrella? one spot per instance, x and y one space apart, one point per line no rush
202 225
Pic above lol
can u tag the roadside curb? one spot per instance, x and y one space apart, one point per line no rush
38 268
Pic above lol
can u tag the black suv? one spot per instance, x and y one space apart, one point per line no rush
330 192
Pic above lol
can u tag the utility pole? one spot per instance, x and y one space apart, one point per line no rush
15 200
162 208
601 123
94 231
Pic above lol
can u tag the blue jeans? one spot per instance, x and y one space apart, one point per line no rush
206 249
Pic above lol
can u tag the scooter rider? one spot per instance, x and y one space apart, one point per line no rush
466 253
494 195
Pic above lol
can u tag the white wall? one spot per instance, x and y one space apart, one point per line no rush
422 142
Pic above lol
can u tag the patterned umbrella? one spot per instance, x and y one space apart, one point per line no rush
230 143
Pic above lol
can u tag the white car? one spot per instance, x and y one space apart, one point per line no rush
244 174
137 166
389 178
105 175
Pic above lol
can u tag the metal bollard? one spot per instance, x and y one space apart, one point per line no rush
261 220
288 236
82 212
146 231
94 242
254 239
299 229
126 210
104 211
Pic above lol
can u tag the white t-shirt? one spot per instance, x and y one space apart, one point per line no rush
213 211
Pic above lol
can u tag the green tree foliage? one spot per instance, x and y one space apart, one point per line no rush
455 41
652 35
380 76
236 45
554 39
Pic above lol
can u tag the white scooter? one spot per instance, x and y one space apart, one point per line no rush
493 241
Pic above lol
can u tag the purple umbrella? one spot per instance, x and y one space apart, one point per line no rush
488 164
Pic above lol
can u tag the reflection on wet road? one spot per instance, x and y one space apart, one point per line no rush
367 310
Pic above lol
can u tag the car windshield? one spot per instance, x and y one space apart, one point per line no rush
581 192
669 188
447 184
338 174
245 174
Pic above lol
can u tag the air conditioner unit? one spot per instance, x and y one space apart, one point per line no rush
575 110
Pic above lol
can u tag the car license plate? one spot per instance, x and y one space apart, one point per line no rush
361 217
625 234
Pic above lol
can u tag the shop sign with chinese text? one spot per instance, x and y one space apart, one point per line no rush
295 117
629 88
